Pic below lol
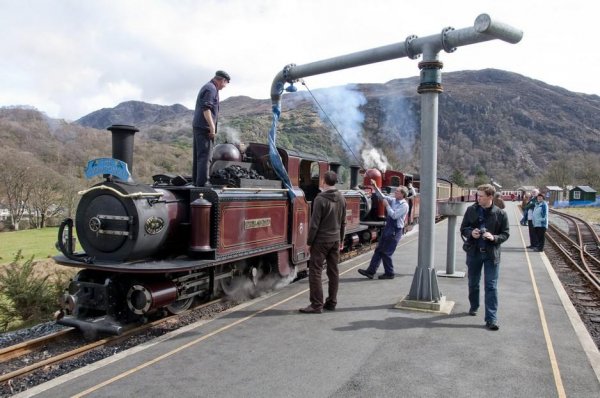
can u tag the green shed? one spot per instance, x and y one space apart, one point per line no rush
582 194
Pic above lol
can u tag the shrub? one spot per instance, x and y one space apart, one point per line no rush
26 298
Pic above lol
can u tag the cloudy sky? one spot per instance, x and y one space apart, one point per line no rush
68 58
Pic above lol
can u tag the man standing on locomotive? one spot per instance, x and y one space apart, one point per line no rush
205 127
485 226
326 232
396 209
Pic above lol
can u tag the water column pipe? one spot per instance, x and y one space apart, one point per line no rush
484 29
424 287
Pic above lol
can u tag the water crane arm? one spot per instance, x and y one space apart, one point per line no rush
484 29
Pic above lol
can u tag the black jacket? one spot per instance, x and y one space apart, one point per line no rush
496 222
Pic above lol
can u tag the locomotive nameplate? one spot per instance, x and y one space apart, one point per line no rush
252 224
257 223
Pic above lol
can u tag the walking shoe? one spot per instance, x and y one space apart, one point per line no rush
310 310
329 306
364 272
472 312
386 276
492 325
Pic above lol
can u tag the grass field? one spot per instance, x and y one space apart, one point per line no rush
36 242
590 214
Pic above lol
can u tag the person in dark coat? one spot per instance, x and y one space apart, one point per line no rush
485 228
325 236
204 126
533 243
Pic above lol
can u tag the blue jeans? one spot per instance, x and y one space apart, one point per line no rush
475 263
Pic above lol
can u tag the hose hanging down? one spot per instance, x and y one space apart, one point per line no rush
274 156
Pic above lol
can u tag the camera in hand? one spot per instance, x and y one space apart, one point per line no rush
482 231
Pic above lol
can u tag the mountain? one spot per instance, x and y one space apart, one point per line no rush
133 113
492 123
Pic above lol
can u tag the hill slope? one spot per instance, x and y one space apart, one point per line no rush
491 122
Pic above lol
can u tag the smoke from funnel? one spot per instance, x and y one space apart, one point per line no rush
400 121
342 105
374 158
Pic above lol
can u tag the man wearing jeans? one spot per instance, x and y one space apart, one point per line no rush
485 226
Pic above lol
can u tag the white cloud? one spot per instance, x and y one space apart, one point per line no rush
69 58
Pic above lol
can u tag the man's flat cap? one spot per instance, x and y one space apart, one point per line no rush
223 74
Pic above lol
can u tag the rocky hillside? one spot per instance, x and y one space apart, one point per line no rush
493 123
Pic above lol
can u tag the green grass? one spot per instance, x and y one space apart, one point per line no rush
38 243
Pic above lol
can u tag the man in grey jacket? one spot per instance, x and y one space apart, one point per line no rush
326 232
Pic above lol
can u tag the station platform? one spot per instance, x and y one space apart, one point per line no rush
367 347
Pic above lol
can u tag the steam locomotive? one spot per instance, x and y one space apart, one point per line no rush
149 248
152 247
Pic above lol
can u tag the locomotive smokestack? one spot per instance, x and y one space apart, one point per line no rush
122 143
354 176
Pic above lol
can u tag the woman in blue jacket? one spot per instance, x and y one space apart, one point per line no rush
540 221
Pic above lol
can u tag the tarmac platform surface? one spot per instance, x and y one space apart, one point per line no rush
368 348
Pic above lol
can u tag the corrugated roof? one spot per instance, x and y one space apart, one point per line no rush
553 188
585 188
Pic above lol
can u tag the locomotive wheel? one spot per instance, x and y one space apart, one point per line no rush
230 285
179 306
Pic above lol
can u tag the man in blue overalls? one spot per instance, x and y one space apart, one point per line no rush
396 209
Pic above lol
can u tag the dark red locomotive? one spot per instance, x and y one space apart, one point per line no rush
153 247
147 247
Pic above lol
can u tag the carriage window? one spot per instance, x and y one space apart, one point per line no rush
314 170
395 181
309 179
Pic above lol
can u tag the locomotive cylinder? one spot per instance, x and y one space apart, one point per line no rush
141 299
122 143
200 215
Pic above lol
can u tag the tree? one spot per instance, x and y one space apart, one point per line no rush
458 178
15 184
46 196
480 177
559 173
590 173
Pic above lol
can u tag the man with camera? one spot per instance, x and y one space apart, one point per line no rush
485 228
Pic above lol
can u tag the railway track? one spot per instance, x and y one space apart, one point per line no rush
579 245
575 264
34 355
41 359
